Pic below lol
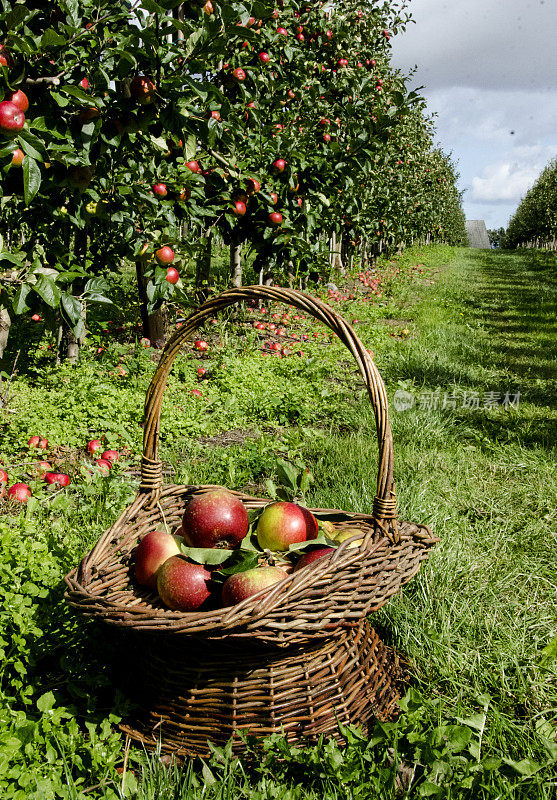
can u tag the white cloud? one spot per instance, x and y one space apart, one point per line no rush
502 183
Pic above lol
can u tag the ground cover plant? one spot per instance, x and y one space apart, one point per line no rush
457 336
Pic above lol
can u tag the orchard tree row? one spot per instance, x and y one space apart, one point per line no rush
136 131
534 223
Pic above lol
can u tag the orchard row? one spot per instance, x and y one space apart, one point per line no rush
137 135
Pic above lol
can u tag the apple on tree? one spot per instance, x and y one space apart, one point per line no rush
160 189
17 159
12 119
142 89
164 255
172 275
215 519
19 99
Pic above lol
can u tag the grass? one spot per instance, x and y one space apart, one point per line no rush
478 622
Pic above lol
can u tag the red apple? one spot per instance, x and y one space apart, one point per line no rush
111 455
215 518
274 198
153 550
327 137
242 585
275 218
94 446
264 58
182 585
172 275
145 342
160 189
278 165
252 186
142 89
201 371
36 318
208 8
20 492
193 166
5 58
313 555
34 441
84 83
239 74
42 468
17 160
239 208
3 482
19 99
164 255
103 466
282 31
43 444
12 119
282 524
57 478
201 345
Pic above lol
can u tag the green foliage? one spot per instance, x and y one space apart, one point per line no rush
536 216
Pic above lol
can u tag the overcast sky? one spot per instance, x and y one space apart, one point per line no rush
489 68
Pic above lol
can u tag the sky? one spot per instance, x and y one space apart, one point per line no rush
489 71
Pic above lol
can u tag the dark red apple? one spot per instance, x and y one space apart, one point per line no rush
37 441
264 58
282 524
182 585
201 345
19 99
142 89
274 198
94 446
20 492
242 585
57 478
3 482
164 255
42 468
160 189
282 32
193 166
252 186
215 518
111 455
313 555
239 208
172 275
152 551
275 218
278 165
12 119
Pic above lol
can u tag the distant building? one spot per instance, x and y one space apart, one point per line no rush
477 234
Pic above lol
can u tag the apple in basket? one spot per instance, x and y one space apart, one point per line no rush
152 551
215 519
347 533
313 555
183 585
242 585
282 524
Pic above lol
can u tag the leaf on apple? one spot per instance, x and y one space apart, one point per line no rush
210 556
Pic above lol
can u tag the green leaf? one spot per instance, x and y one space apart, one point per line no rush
527 767
32 145
51 38
206 555
549 653
46 702
190 148
31 179
71 306
47 291
20 306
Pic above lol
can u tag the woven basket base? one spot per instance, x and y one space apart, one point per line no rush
194 690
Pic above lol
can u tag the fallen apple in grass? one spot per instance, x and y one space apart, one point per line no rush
242 585
37 441
283 524
3 482
57 479
94 446
215 519
111 455
152 551
19 492
42 468
103 466
183 585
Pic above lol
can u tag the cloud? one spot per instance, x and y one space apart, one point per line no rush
508 181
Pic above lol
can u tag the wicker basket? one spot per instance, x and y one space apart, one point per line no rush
297 658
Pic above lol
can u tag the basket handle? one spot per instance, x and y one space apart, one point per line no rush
384 504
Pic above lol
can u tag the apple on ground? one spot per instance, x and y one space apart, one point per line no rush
57 479
3 482
111 455
42 468
215 519
183 585
103 466
152 551
242 585
19 492
201 345
313 555
94 446
37 441
282 524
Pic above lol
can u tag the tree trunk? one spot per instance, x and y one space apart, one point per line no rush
203 267
236 264
5 323
152 324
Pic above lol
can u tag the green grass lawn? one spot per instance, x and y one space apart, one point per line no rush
467 349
